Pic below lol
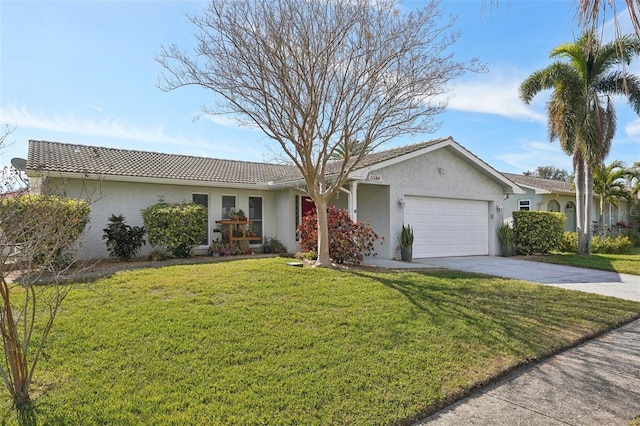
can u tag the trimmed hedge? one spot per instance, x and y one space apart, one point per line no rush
608 244
45 226
177 227
537 232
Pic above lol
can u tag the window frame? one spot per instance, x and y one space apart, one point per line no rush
261 233
205 241
521 205
225 213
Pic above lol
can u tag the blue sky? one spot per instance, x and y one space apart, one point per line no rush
84 72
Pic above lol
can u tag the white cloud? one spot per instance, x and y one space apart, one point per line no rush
632 129
110 127
493 95
620 23
221 120
531 154
96 107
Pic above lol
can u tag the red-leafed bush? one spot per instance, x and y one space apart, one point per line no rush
348 241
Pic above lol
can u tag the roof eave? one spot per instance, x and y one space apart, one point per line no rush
143 179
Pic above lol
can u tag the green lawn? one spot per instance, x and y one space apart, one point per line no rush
628 263
259 342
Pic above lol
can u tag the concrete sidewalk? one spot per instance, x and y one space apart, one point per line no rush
596 383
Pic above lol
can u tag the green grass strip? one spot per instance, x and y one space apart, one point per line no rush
257 342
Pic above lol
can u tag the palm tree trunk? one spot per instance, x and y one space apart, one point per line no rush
601 218
588 207
578 170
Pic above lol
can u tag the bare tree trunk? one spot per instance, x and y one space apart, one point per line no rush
323 233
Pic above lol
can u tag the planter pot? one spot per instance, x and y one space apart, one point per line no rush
406 254
507 251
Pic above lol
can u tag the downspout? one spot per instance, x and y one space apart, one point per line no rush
352 201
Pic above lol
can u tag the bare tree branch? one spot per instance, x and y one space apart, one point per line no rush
315 75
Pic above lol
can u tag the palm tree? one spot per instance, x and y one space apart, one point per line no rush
592 13
633 178
610 187
581 114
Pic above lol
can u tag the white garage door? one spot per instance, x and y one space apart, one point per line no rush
444 227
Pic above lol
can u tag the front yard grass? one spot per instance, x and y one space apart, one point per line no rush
258 342
627 263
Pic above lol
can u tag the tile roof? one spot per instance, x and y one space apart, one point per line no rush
371 159
72 158
551 185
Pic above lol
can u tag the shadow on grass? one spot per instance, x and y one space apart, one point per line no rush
525 322
530 320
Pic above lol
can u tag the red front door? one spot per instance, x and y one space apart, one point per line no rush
307 205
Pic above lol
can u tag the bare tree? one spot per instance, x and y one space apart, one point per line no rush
315 75
37 251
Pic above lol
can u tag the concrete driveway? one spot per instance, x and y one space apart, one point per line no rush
623 286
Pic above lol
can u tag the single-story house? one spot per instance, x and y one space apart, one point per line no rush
451 198
558 196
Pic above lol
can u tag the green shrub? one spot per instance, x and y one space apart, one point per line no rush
306 255
123 241
633 236
537 232
599 244
349 241
617 244
177 227
45 226
569 242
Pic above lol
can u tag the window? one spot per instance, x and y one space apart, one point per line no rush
524 204
228 204
553 206
255 214
203 200
297 215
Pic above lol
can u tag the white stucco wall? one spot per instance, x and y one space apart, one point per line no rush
285 219
422 176
129 199
374 205
540 202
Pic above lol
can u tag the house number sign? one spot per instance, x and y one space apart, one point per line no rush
374 178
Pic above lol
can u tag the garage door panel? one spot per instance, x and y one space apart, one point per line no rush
447 227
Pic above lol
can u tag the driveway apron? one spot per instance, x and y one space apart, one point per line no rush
623 286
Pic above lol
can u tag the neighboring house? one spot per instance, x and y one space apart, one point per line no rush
558 196
452 199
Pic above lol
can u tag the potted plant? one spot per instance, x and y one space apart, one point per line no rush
266 247
507 240
406 243
215 247
241 216
277 246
